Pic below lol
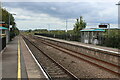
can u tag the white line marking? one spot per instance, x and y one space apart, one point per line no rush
101 49
36 60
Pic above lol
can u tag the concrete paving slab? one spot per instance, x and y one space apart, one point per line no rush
10 61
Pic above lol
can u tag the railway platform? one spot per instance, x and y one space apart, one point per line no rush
17 62
82 44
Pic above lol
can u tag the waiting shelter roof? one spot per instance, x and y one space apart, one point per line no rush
99 30
3 27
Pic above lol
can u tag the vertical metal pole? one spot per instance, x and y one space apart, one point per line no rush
8 32
0 4
118 15
66 30
49 27
109 30
118 27
66 25
9 21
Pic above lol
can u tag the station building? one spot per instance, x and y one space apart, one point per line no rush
3 38
95 35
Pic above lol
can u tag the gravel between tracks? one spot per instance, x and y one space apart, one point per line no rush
78 67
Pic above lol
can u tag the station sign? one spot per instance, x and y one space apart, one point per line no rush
2 24
103 26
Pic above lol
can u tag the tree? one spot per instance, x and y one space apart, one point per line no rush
113 39
4 17
79 25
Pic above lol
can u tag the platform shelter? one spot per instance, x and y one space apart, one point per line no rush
92 36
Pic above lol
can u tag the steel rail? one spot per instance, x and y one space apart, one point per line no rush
66 71
64 50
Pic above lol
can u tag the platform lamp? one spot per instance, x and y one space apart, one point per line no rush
10 18
9 26
118 22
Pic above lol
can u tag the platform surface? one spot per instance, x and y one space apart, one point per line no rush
17 62
83 44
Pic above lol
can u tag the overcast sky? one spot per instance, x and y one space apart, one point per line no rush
53 15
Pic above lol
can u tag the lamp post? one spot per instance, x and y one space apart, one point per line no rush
10 18
8 33
118 14
118 22
66 24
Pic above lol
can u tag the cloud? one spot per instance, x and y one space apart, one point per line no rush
53 8
29 20
60 0
67 10
58 12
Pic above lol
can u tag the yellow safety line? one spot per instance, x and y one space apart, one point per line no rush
19 62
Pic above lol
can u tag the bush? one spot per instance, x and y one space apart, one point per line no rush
112 40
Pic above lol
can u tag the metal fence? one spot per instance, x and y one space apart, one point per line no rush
113 41
62 36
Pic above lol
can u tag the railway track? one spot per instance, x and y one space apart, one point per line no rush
70 52
53 69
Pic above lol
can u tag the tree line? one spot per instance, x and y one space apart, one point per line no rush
109 40
4 17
